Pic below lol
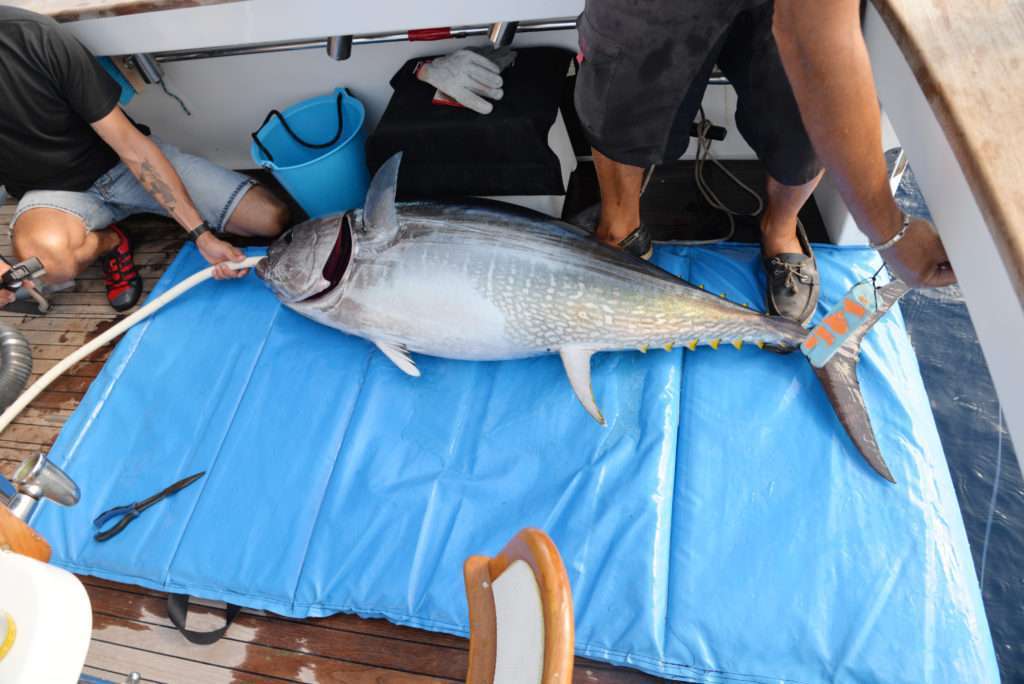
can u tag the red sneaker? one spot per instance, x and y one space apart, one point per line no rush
124 285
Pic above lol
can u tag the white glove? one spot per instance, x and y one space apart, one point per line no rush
504 57
466 77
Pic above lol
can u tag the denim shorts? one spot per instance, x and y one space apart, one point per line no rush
215 191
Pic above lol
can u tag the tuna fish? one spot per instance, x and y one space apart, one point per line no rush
487 281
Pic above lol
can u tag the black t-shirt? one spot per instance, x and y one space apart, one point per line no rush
51 89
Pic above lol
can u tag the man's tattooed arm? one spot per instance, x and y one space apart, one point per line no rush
145 160
161 181
157 187
156 174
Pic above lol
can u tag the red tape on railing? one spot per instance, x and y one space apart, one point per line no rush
439 33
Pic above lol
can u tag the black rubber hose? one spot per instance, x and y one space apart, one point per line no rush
15 364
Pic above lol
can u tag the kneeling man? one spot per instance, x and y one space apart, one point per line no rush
78 164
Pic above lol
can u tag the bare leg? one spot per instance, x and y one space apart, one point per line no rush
259 214
620 198
61 241
778 222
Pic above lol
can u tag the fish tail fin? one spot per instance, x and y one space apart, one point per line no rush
838 376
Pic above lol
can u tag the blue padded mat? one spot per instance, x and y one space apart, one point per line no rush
722 528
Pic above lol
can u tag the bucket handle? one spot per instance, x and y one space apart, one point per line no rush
294 135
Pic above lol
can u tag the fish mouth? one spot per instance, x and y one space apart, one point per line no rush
337 263
261 268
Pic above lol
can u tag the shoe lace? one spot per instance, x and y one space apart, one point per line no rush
792 273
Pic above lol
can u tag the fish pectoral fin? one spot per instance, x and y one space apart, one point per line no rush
399 356
577 367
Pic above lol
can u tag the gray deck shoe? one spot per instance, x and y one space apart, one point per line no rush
793 283
637 243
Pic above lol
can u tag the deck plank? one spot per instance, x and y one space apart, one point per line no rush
112 676
340 622
290 637
245 657
78 10
158 667
375 643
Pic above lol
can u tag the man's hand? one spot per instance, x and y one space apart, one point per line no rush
919 258
217 252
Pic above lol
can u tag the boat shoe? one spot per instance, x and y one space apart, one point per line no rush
793 282
638 243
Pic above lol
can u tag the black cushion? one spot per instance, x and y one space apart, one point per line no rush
451 152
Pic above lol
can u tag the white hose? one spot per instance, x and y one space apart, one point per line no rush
146 311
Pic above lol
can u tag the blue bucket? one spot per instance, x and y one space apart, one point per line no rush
316 150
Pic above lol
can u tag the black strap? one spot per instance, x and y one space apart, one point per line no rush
295 136
177 610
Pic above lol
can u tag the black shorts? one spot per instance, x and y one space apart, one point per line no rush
645 67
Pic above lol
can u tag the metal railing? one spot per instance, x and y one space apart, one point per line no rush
339 47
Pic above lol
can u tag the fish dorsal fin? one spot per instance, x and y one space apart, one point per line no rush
577 366
380 219
399 356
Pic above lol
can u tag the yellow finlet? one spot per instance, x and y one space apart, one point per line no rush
722 295
693 345
745 305
702 286
738 344
668 347
714 344
643 349
760 344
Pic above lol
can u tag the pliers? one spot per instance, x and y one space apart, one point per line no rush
132 511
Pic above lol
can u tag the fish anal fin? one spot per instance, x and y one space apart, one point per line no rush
399 356
577 366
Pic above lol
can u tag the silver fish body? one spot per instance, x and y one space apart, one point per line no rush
486 281
482 283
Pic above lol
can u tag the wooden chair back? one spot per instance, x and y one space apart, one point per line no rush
520 614
18 537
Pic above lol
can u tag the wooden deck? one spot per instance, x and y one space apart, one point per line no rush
77 10
131 631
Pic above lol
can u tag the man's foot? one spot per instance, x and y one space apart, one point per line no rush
793 282
124 285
